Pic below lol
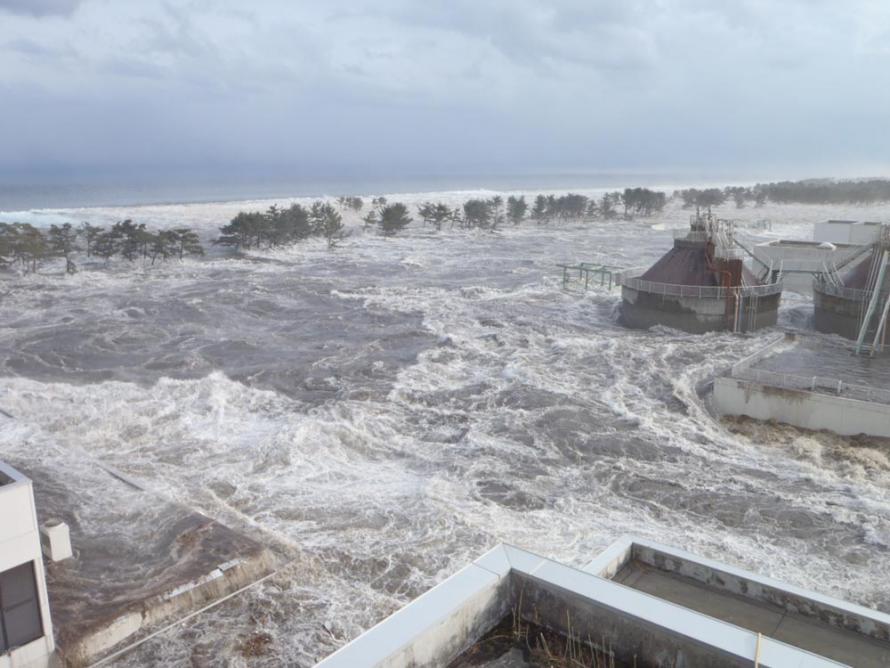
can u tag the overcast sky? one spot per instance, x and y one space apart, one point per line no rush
478 85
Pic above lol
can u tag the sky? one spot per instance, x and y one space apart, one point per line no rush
442 86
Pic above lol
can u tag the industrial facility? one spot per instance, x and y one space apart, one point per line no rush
809 381
701 285
853 299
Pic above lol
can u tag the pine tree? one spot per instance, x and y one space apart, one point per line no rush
516 209
63 242
326 222
393 219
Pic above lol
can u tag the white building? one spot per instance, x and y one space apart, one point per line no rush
847 232
26 633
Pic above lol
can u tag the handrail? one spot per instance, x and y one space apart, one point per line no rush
814 383
842 291
873 302
700 291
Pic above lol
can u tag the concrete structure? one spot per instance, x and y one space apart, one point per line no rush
799 261
638 601
139 561
855 303
841 631
801 408
56 541
113 594
782 383
700 285
847 232
26 632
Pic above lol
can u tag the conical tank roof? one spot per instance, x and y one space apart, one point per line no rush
687 264
858 276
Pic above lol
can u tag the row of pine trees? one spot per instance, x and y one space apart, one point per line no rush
283 226
27 247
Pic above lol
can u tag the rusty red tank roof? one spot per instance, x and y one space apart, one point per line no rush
687 264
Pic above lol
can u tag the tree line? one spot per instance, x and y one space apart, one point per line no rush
27 246
825 191
282 226
495 211
813 191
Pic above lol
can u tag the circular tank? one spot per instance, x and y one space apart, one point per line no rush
692 290
840 309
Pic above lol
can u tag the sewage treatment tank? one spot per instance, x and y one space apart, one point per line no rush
700 285
855 304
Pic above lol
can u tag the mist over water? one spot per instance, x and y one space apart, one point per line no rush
386 412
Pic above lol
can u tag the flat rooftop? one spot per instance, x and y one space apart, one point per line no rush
829 358
772 621
139 560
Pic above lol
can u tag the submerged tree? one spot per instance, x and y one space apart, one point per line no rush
6 245
89 234
185 242
63 243
478 213
607 206
30 246
244 230
516 209
540 209
394 218
642 201
435 214
106 245
326 222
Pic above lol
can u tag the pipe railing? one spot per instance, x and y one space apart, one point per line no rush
813 384
857 294
698 291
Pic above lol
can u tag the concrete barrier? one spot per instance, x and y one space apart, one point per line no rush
800 408
438 626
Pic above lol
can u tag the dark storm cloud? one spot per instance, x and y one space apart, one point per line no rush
502 84
39 7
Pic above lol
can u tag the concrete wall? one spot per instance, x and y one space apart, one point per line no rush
799 260
20 543
132 625
835 315
809 410
641 310
723 577
434 628
846 232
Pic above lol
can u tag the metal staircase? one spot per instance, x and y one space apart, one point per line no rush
874 322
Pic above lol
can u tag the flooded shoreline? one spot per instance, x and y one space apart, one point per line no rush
392 409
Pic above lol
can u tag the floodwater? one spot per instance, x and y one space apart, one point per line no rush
387 411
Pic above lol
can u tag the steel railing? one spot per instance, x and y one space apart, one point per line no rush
813 384
831 290
699 291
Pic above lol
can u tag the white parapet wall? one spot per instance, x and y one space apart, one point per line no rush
20 547
722 577
507 581
801 408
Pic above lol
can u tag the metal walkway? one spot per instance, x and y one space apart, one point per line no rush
586 271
